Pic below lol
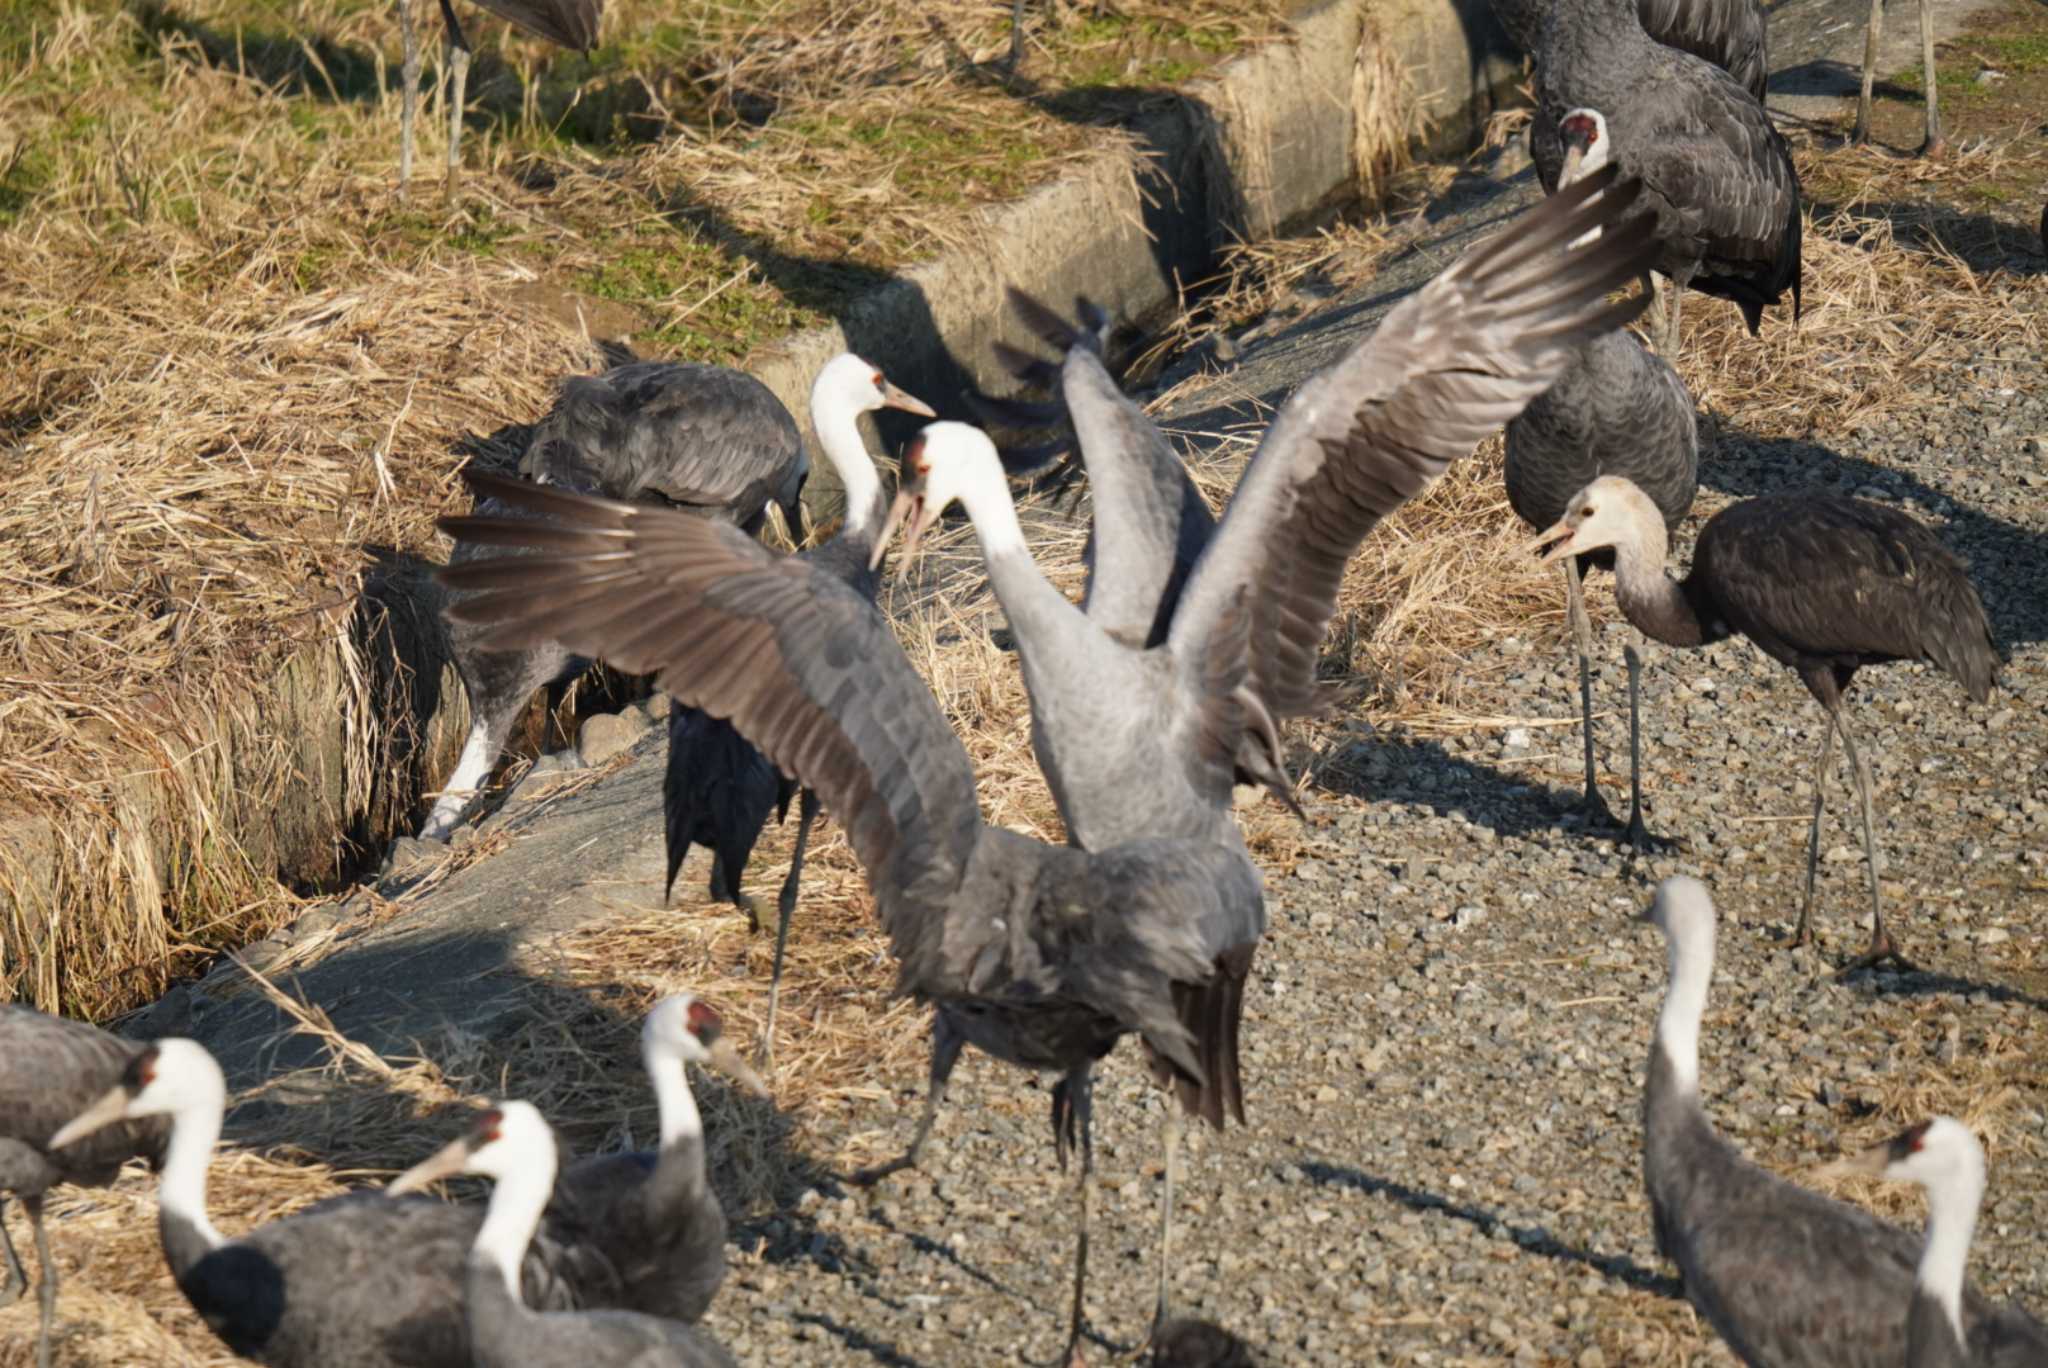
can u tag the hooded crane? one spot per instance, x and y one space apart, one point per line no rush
1733 35
718 790
1618 409
1945 1159
1715 172
357 1281
1821 583
50 1070
1121 729
1787 1277
570 24
654 1216
706 438
1043 956
1932 143
511 1144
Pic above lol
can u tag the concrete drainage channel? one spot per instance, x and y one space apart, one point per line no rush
1275 135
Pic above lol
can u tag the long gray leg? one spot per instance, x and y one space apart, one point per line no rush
1932 146
1804 935
1881 947
1639 835
1593 805
1871 37
785 907
946 1046
17 1276
1080 1085
458 94
1170 1133
1016 35
46 1286
409 93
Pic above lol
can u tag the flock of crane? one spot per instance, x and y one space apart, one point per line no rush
631 539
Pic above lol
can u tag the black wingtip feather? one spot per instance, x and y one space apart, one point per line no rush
1210 1012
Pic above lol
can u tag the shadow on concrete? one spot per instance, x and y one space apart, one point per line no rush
1534 1239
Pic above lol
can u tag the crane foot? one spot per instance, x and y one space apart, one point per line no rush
868 1177
1881 951
1935 148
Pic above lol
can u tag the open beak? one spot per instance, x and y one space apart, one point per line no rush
446 1162
1551 534
112 1106
908 513
897 511
909 403
726 1058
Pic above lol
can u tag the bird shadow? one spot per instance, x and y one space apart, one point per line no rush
880 1350
1534 1239
2008 561
1927 983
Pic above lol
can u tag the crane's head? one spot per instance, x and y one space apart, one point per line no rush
504 1139
168 1078
1937 1152
689 1031
1683 909
1586 148
1608 512
943 463
850 384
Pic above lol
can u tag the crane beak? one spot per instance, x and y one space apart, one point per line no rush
897 511
1873 1161
1574 157
908 513
909 403
447 1162
726 1058
1562 529
112 1106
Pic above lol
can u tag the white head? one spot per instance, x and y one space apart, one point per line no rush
1611 511
505 1140
943 463
170 1077
1936 1153
849 385
688 1031
1683 910
1586 148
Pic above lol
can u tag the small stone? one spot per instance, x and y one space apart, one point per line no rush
258 956
609 734
315 922
657 705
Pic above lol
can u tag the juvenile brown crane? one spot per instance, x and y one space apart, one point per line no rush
1823 584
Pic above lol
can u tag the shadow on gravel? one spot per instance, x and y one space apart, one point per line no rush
2008 562
1397 769
881 1351
1535 1239
1925 984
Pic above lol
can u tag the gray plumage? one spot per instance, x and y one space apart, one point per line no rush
50 1070
356 1281
1733 35
1618 409
1789 1278
706 438
1114 725
1716 174
1823 584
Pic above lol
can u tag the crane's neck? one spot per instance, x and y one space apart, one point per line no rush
1037 611
1689 957
838 425
188 1235
517 1201
677 1105
1649 598
1953 1197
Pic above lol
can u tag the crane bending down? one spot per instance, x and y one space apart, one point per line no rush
1822 584
1039 955
1786 1276
566 23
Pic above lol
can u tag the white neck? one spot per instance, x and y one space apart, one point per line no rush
517 1201
1952 1201
181 1190
1690 961
994 513
838 425
674 1101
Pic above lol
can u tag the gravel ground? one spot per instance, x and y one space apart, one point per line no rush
1444 1052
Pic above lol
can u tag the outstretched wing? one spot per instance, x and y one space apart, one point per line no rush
1453 362
803 666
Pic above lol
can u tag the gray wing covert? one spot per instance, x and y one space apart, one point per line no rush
569 23
803 666
1449 365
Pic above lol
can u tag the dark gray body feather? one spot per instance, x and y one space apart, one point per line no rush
509 1334
566 23
51 1069
1827 584
1046 954
1618 409
1734 35
2001 1337
657 1223
1789 1278
360 1281
1716 173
